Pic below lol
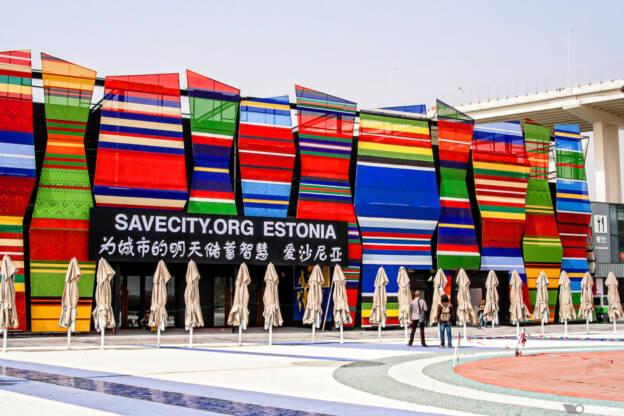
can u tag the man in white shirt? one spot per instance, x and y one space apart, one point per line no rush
418 310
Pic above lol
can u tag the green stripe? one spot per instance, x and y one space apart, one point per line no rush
8 79
305 152
503 173
497 208
327 138
16 229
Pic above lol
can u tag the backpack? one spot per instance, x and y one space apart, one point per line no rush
445 314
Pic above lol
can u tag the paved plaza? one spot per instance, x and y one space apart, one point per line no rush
363 376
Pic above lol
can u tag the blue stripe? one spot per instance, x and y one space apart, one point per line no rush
16 137
213 95
123 98
139 192
141 117
108 128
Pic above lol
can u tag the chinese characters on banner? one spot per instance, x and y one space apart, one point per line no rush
135 235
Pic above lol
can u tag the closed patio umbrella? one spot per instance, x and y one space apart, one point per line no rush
342 312
439 283
69 302
613 297
518 311
541 310
158 312
8 310
239 314
405 297
490 310
272 314
103 314
192 312
380 298
465 312
587 300
566 306
314 301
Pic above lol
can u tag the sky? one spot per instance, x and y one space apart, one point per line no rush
376 53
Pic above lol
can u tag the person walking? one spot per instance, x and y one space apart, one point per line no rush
418 310
482 321
444 318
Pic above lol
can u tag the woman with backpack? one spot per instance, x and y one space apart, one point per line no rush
445 318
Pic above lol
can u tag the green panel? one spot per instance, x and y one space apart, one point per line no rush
453 188
212 208
63 203
456 262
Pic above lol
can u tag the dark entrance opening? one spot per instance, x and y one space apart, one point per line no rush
132 293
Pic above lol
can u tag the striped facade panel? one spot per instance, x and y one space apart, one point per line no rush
457 242
573 209
267 156
214 113
501 175
17 163
140 160
396 198
60 224
325 141
541 245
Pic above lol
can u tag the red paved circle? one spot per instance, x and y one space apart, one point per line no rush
590 375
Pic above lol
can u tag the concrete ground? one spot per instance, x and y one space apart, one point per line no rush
363 376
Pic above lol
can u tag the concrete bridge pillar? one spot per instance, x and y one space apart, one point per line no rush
607 162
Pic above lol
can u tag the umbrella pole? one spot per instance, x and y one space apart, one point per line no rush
240 333
613 329
331 289
465 331
271 333
587 325
158 337
379 332
68 337
4 338
542 326
191 337
405 332
102 339
342 335
517 328
565 328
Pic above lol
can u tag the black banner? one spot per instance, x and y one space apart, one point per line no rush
150 235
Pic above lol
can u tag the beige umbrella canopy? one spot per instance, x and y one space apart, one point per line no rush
541 299
439 283
239 314
405 297
615 307
380 298
342 313
103 316
587 297
69 302
566 306
192 313
517 309
490 311
8 310
158 313
272 314
465 313
314 300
